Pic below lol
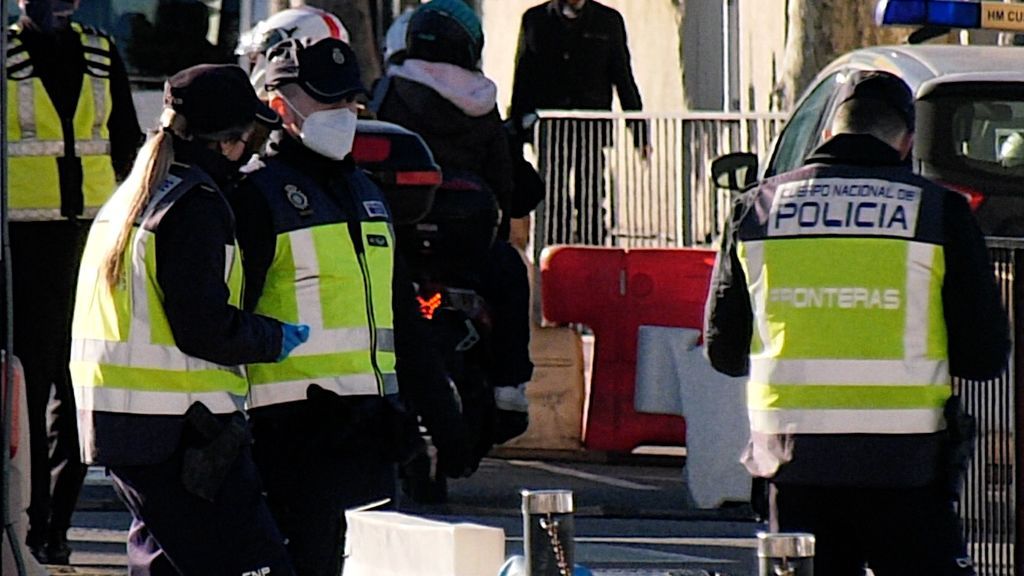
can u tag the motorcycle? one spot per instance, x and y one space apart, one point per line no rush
444 229
445 252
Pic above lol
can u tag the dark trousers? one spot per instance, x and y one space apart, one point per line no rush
44 260
506 287
311 478
174 532
573 170
894 531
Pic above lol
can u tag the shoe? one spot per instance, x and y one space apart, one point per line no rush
58 553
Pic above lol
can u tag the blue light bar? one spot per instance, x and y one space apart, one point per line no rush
947 13
951 14
955 14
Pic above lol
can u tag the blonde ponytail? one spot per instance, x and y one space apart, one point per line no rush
150 170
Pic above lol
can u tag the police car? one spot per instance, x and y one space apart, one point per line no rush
970 110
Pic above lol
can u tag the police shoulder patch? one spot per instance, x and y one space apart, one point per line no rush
375 209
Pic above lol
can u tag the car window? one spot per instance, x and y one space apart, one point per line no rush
989 134
803 129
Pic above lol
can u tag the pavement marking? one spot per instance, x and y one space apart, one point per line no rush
672 541
77 534
601 479
664 541
610 554
97 476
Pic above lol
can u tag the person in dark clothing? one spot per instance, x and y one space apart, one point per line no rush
74 75
159 337
438 92
857 432
571 54
316 237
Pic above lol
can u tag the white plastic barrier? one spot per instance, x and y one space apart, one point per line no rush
674 377
395 544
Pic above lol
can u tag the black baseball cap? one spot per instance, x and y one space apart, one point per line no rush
216 98
327 70
881 86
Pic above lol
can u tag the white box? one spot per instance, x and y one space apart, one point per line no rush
395 544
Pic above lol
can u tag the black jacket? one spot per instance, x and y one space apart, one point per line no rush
459 142
572 64
190 270
978 334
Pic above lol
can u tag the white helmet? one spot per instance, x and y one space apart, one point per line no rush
307 23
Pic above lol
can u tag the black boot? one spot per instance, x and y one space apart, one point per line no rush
58 551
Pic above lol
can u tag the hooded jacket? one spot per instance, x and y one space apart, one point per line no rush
455 112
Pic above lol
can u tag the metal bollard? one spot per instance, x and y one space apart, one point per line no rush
548 532
785 554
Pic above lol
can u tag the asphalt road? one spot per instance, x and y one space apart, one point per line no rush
633 517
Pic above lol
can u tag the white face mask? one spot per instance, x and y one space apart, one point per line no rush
329 133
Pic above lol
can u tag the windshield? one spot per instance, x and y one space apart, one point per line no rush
156 38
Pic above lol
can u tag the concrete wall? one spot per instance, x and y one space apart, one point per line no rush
762 42
652 30
703 70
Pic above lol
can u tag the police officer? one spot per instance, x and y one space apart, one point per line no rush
317 240
849 291
158 337
73 131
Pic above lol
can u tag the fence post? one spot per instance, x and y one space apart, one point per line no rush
1016 308
548 532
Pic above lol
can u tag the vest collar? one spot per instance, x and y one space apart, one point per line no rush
290 150
856 150
194 152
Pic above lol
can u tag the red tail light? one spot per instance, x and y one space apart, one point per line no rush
418 178
370 149
974 198
429 305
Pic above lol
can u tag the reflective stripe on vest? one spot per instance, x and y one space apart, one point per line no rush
36 136
849 335
316 279
123 355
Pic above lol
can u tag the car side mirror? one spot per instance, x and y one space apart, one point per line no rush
734 171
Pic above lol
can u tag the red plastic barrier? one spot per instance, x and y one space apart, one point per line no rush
615 291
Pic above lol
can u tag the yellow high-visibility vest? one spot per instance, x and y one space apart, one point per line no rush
36 138
124 358
340 287
849 335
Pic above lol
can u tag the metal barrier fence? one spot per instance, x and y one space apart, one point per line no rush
993 488
637 179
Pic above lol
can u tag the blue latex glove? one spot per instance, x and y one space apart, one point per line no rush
291 336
